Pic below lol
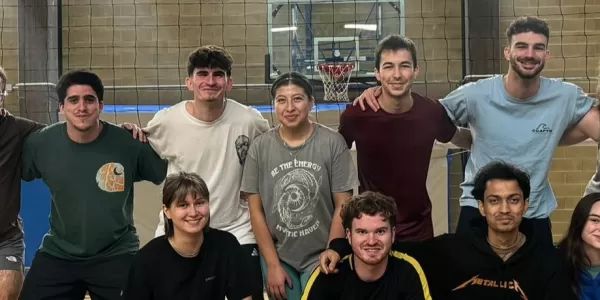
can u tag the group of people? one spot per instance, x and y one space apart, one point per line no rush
248 208
503 247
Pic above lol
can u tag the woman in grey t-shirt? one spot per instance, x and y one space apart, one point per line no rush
296 176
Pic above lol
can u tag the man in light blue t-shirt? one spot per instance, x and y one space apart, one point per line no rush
521 118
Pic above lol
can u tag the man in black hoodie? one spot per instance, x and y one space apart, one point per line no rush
500 258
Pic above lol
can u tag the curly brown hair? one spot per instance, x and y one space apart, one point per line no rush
209 56
371 204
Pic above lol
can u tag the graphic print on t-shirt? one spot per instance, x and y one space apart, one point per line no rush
242 143
111 177
296 193
478 281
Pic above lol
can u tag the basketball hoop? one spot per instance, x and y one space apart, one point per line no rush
336 78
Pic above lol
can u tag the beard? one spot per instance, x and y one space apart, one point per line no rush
515 66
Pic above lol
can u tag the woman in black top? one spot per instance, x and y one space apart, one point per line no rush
192 261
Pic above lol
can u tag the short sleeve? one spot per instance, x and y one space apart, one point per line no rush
261 125
345 128
250 182
150 166
29 169
582 105
238 286
456 104
158 135
446 128
343 172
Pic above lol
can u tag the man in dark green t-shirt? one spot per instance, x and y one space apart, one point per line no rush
90 167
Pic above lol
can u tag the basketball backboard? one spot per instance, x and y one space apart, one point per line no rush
302 34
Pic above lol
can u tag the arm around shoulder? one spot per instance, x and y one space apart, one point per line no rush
457 105
27 126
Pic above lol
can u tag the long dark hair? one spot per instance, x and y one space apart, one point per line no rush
572 244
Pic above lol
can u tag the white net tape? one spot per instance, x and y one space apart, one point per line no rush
336 78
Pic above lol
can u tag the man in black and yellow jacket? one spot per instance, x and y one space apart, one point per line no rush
500 258
372 271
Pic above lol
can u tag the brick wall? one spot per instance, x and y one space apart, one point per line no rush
436 30
574 36
144 42
571 170
574 47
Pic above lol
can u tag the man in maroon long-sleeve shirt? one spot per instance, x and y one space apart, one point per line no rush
394 144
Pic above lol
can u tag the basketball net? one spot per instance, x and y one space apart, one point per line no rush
336 78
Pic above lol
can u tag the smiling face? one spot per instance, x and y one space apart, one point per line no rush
396 72
209 84
81 108
503 205
591 231
190 215
527 54
371 239
292 105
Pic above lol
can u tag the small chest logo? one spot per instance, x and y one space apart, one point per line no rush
111 177
542 128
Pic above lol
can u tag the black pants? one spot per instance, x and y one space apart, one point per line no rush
254 271
542 228
52 278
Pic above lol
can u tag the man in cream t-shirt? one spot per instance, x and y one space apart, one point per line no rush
210 136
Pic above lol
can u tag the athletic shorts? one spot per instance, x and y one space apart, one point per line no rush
12 252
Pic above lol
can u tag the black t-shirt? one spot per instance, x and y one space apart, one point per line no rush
403 280
158 272
13 131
